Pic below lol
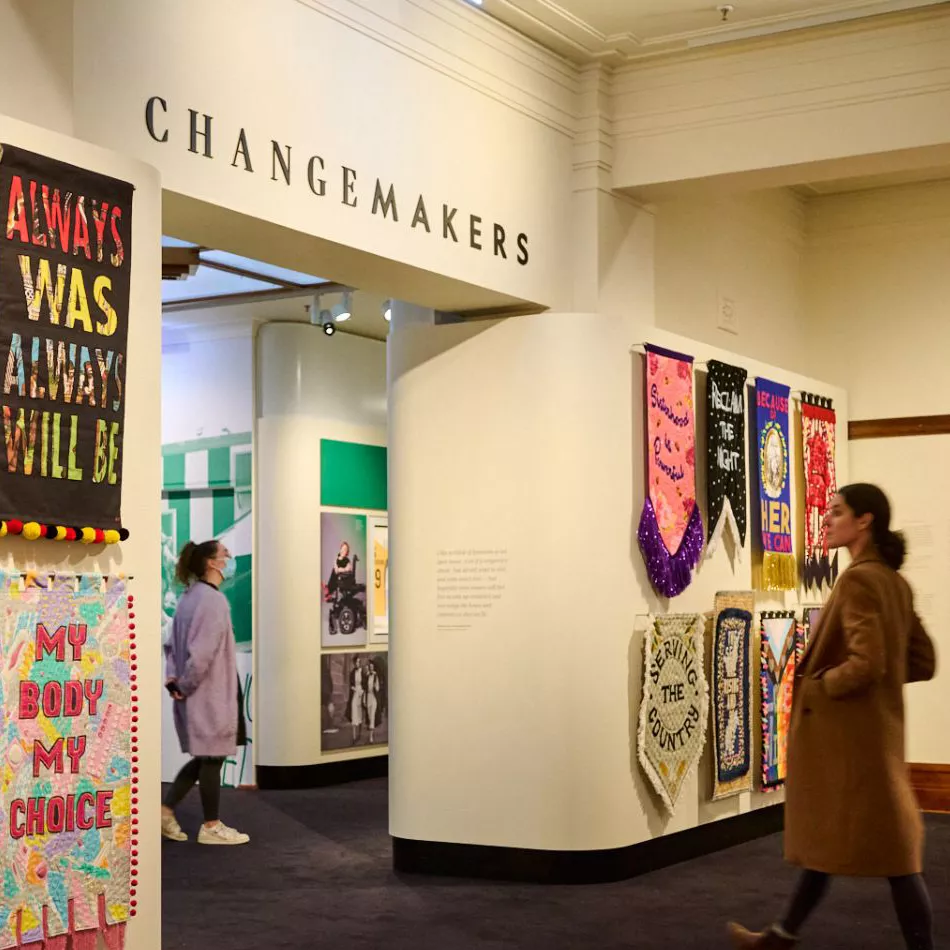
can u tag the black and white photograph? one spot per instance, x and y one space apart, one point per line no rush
354 700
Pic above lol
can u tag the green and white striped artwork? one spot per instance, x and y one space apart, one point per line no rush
206 493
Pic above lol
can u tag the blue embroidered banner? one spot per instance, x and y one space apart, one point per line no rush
775 496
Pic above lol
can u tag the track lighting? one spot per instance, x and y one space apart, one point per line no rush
343 310
387 310
321 318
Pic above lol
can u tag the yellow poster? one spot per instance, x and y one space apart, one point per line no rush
381 578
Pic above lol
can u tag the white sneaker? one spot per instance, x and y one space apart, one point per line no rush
171 829
220 833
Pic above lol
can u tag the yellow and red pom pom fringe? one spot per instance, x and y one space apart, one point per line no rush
34 531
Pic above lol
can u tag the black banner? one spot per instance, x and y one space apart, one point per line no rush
725 452
65 265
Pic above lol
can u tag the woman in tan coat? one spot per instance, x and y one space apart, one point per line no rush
849 805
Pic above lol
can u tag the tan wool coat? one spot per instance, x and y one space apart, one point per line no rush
849 805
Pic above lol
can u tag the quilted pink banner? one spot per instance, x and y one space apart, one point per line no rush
66 803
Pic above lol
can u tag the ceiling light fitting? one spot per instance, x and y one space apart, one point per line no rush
387 310
724 10
344 309
321 318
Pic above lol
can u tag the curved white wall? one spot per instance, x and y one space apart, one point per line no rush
310 387
526 436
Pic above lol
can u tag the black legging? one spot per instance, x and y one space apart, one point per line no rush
911 901
206 771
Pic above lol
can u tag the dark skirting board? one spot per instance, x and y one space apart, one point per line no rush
582 867
283 777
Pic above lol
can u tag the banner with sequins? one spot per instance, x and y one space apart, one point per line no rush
671 526
818 442
66 797
732 693
672 728
779 570
725 453
777 675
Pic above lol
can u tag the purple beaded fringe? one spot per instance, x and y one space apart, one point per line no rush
669 573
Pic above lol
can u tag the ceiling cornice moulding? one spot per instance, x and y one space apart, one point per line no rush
569 35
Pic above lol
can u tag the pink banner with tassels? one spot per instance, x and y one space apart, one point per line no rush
66 802
671 527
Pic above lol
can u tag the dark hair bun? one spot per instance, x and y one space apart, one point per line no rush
893 548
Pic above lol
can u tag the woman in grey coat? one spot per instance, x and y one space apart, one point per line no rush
201 676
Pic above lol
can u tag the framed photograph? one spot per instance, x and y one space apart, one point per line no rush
343 617
354 701
379 543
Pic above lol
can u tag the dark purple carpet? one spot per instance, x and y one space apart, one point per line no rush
317 874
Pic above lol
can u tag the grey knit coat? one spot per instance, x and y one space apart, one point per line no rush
200 656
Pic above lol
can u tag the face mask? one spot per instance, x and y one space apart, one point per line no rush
229 569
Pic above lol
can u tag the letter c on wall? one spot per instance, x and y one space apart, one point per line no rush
150 118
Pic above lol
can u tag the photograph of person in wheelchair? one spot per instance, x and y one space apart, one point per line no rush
344 590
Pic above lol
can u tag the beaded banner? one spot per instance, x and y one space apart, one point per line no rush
777 673
675 702
731 693
725 453
806 630
671 527
779 570
818 442
66 796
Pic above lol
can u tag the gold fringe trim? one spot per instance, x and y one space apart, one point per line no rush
779 571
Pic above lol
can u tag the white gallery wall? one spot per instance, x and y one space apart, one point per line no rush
877 287
743 252
141 489
207 384
36 44
310 387
419 92
524 439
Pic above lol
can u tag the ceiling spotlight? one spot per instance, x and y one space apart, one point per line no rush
343 310
329 328
474 3
387 310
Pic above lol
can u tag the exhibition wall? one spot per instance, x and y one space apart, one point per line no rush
502 108
207 465
136 557
735 262
320 423
31 46
521 444
876 288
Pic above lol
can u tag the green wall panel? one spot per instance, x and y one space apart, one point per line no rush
353 475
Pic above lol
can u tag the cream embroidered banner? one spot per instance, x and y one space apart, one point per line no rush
675 703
